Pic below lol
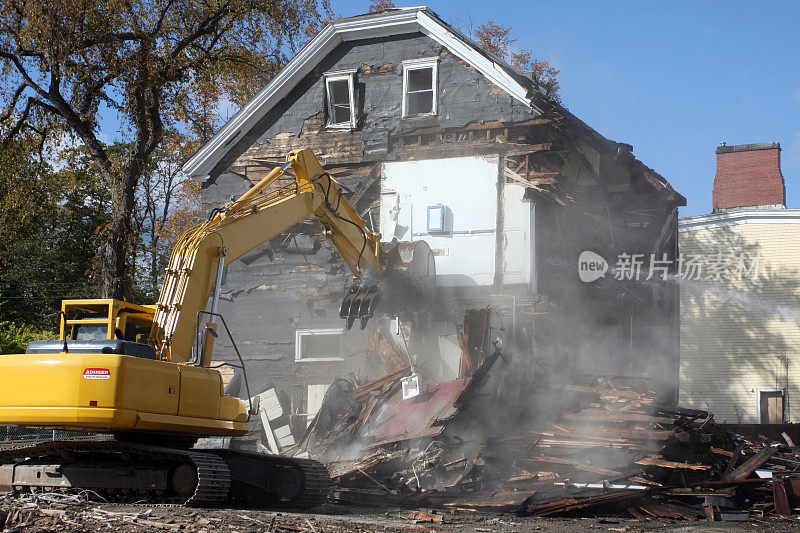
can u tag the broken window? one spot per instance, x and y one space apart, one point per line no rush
341 101
319 345
419 87
770 405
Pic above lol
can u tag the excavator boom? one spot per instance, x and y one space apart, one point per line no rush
257 216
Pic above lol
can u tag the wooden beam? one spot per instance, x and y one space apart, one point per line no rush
750 466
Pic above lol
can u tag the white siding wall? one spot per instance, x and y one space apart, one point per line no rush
738 336
467 187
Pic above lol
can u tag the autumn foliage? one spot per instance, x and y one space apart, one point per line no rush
159 66
377 6
496 39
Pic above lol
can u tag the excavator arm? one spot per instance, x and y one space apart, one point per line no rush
195 268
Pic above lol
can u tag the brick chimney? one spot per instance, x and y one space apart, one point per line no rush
749 175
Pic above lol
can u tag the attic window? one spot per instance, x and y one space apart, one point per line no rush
419 87
341 101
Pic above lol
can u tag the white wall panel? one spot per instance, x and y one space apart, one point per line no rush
467 187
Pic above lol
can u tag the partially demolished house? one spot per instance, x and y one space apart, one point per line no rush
439 140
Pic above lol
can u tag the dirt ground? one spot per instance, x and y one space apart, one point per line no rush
50 517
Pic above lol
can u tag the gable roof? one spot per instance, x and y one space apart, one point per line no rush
393 22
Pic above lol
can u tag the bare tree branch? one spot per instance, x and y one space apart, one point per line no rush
206 27
24 73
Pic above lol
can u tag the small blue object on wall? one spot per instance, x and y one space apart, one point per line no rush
435 218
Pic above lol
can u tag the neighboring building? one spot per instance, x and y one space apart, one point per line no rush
740 320
439 140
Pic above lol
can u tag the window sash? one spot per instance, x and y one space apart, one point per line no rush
333 105
409 67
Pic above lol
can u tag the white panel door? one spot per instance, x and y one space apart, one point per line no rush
516 236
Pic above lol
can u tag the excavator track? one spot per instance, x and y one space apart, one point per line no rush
127 471
317 484
213 480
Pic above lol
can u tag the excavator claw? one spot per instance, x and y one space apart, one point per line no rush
406 288
359 304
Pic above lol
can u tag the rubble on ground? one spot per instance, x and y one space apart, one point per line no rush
559 443
51 512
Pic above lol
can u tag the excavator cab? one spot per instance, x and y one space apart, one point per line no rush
106 319
101 326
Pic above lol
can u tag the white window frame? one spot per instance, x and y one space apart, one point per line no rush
298 345
759 390
417 64
348 75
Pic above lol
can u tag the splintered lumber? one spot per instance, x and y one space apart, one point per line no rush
686 513
734 458
660 511
423 517
603 392
628 434
497 501
654 461
618 417
538 467
577 465
785 459
749 466
379 384
642 481
636 514
722 482
719 451
573 504
567 442
699 493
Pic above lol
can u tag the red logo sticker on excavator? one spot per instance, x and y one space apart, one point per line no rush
97 373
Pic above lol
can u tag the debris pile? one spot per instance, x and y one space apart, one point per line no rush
558 444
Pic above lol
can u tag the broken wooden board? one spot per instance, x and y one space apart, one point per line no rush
748 467
654 461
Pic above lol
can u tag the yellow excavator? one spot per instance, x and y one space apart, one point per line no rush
139 379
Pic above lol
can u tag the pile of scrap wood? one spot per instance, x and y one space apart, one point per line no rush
553 445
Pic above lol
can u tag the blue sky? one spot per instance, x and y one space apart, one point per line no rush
673 79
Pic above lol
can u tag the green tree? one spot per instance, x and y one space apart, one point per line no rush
50 223
160 65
